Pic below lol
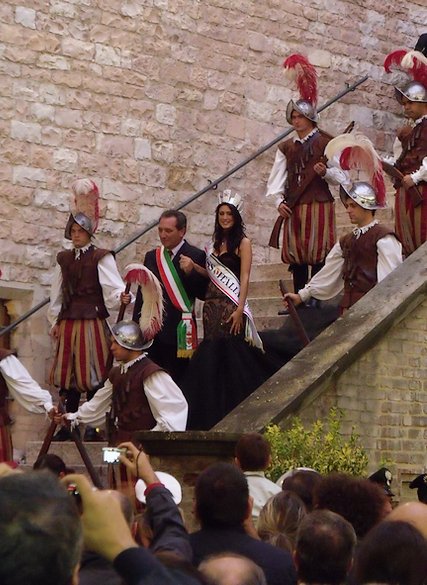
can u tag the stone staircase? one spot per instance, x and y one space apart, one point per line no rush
265 298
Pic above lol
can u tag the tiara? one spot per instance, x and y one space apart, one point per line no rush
233 198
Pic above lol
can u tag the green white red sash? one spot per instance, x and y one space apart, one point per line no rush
187 329
228 283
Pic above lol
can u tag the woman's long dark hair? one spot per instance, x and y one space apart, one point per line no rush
234 236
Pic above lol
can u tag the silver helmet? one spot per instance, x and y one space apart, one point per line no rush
80 219
413 91
129 335
303 107
362 193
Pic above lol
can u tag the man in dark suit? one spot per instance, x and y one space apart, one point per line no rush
172 228
223 508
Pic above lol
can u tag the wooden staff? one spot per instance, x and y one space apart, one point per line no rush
294 316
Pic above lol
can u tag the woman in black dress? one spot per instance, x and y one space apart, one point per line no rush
230 363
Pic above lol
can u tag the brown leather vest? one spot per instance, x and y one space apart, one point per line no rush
300 159
130 408
4 416
360 263
81 292
414 149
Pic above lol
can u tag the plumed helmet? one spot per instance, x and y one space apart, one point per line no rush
129 335
299 69
80 219
413 91
85 211
363 194
414 63
303 107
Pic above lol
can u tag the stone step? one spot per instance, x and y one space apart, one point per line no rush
266 307
269 271
68 452
272 322
266 288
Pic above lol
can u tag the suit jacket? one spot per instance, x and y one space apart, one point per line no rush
276 563
194 283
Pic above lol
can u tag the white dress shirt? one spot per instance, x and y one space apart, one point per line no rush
109 279
328 282
276 181
167 402
421 173
261 489
23 388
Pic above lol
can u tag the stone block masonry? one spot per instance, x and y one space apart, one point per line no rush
156 97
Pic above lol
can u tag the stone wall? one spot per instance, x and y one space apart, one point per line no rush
372 364
152 98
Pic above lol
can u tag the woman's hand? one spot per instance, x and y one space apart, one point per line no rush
236 320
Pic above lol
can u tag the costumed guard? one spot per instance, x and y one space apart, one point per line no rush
299 180
16 383
86 284
410 180
362 258
138 394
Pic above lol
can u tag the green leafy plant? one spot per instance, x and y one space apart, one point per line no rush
321 447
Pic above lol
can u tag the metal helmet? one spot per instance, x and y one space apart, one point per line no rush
303 107
129 335
363 194
413 91
80 219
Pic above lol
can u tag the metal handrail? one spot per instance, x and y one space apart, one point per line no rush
211 185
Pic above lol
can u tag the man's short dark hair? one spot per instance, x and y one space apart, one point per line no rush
303 483
221 496
40 530
52 462
324 548
181 218
253 452
392 552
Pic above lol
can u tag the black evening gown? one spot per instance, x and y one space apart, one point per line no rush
225 368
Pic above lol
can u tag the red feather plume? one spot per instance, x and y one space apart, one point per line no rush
305 76
394 59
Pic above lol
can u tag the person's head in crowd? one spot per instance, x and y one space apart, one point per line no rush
358 500
394 553
383 477
414 513
303 483
222 496
231 569
53 463
280 518
40 531
253 452
420 484
324 548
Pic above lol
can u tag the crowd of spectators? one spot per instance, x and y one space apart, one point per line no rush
56 528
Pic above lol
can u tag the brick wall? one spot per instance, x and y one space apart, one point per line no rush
384 394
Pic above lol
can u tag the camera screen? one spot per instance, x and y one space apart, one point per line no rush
112 454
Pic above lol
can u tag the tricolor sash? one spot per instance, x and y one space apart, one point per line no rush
228 283
187 329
